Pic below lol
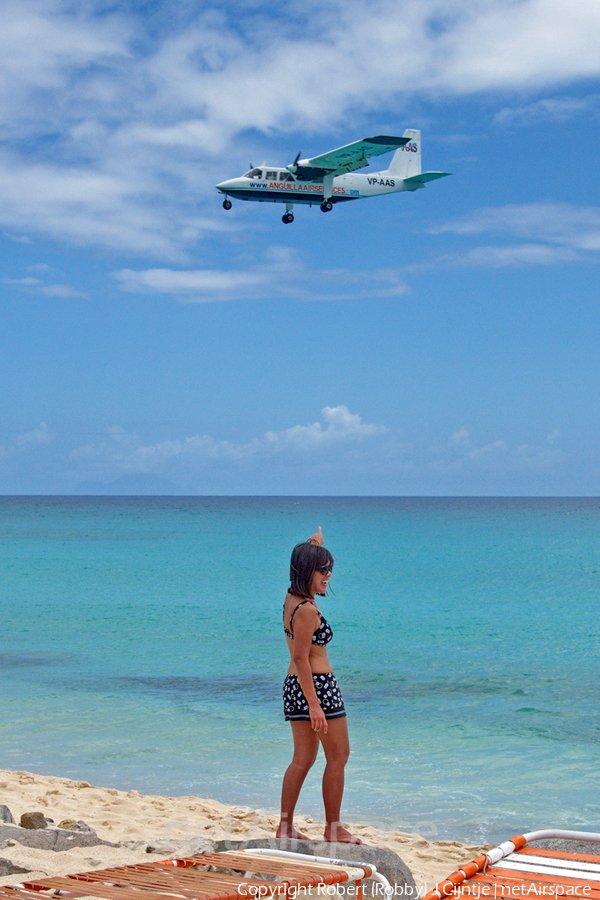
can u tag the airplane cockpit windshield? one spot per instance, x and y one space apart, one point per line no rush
269 175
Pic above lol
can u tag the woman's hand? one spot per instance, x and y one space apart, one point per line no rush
316 538
317 718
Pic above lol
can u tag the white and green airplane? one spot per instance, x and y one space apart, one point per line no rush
330 178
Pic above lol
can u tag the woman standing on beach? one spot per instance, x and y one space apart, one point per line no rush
312 700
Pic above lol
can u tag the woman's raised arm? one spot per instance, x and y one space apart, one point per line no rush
317 538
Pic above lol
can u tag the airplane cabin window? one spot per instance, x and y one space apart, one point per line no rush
253 173
271 176
285 176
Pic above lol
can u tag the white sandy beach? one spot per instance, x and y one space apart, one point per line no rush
143 820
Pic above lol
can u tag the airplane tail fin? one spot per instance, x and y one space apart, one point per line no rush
406 161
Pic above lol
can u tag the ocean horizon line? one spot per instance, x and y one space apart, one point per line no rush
310 496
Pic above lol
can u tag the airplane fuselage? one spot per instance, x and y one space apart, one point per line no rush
279 186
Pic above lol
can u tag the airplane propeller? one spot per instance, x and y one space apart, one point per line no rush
294 166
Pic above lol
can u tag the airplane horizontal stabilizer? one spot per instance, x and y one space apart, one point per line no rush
425 176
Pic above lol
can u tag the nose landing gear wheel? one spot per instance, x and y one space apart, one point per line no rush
226 204
326 206
287 218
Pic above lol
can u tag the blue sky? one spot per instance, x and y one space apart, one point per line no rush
438 342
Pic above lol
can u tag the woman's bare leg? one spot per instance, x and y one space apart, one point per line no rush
306 746
336 745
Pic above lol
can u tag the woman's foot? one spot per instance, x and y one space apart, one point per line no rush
287 830
336 833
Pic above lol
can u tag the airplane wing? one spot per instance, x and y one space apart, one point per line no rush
347 159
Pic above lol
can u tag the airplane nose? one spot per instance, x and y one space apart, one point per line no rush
223 185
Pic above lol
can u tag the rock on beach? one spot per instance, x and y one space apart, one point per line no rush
6 815
56 839
9 868
33 821
388 863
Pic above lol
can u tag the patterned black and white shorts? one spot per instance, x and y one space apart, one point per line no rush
295 704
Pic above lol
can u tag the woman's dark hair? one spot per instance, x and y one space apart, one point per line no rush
306 559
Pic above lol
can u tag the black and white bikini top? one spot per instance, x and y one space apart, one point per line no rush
321 636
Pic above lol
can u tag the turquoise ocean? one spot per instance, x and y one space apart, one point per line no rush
142 648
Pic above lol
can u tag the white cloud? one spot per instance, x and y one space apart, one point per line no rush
550 109
562 223
23 282
281 273
515 255
337 450
39 435
17 238
561 232
84 206
135 123
497 457
504 44
21 443
340 425
195 286
43 45
60 290
32 285
460 437
122 452
327 455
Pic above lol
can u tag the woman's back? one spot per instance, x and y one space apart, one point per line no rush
304 621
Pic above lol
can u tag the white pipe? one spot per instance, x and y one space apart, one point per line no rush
387 888
353 864
564 835
266 851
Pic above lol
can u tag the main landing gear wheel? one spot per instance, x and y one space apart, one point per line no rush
287 218
326 206
226 204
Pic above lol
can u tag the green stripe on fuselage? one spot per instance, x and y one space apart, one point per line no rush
275 196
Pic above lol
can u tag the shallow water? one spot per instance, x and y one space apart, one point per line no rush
142 648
